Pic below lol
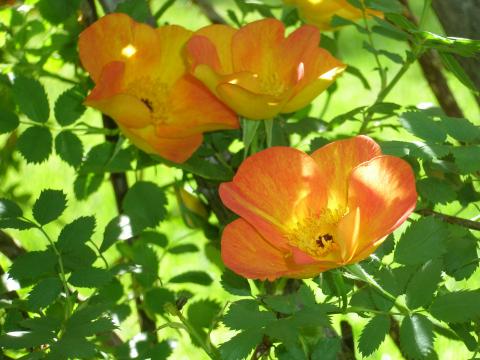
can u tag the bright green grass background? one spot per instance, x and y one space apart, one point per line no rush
55 174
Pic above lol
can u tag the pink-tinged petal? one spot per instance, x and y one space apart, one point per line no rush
383 189
255 46
115 37
177 150
202 51
336 161
107 96
195 110
274 190
247 253
220 37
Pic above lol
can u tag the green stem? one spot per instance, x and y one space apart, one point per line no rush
100 254
249 129
269 131
423 17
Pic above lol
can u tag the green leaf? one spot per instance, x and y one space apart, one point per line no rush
235 284
76 233
26 266
422 241
466 159
183 249
423 284
117 229
86 184
137 9
35 144
245 315
386 6
145 205
202 313
291 303
195 277
72 347
436 191
57 11
25 339
338 21
416 336
44 293
69 147
461 259
49 206
456 307
69 106
8 121
242 344
14 223
79 258
156 298
373 334
461 129
9 209
327 348
456 69
31 98
90 277
460 46
147 272
420 124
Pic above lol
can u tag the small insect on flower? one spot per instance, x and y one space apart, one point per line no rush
301 214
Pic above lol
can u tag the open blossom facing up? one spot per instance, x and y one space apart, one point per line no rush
320 12
142 82
301 214
257 71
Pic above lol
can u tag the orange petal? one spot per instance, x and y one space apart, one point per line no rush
194 109
177 150
109 98
245 252
115 37
220 37
273 190
255 46
383 189
337 159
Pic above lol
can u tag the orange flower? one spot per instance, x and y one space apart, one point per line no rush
301 214
143 84
258 72
320 12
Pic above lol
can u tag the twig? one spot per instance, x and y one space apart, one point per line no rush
470 224
209 11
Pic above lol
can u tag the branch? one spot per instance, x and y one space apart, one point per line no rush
209 11
470 224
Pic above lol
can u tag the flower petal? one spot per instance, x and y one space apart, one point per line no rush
107 96
177 150
195 110
273 190
337 159
115 37
255 46
383 189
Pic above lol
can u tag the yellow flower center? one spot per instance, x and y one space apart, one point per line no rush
154 94
315 235
271 84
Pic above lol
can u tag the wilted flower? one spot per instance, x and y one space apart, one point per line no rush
301 215
320 12
257 71
143 84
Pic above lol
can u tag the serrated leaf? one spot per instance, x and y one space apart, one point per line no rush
49 206
235 284
147 273
76 233
145 205
117 229
26 266
31 98
422 125
416 336
245 315
239 346
8 121
183 249
90 277
456 307
25 339
423 284
456 69
44 293
326 349
436 190
137 9
86 184
14 223
464 159
71 346
9 209
79 258
69 147
57 11
194 277
156 298
202 313
69 106
35 144
386 6
423 240
154 238
460 129
373 334
461 258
